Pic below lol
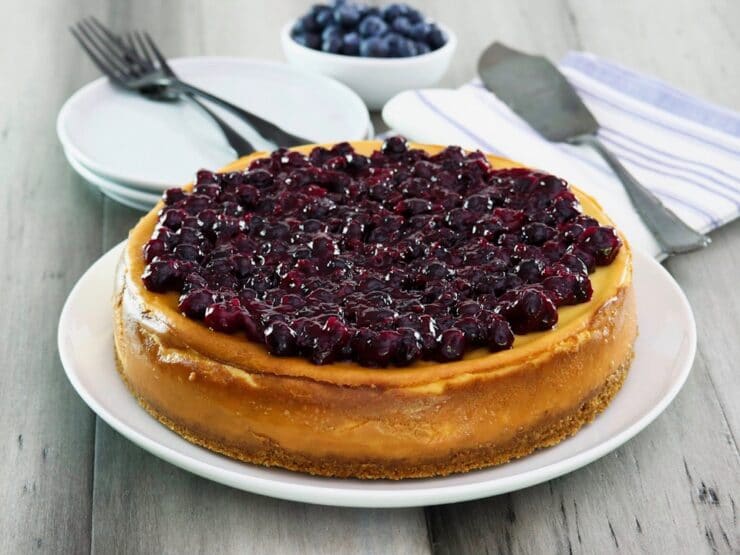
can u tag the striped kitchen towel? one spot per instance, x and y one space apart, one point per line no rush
686 150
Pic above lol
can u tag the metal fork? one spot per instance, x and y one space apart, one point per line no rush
109 56
140 61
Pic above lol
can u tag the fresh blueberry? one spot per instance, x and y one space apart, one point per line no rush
309 24
372 26
392 11
309 40
351 44
414 16
436 37
332 44
370 10
297 28
374 47
422 48
332 32
323 15
419 31
394 43
401 25
347 15
400 47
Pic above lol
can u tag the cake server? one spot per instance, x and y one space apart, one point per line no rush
537 92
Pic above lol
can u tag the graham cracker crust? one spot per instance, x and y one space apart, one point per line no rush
272 455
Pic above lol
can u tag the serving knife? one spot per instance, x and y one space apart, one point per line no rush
538 93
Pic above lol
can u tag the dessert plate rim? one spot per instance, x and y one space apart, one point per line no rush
663 360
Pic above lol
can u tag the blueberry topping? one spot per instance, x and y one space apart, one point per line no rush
383 259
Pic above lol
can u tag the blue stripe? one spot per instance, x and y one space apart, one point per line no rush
658 191
655 92
620 146
517 122
734 183
481 143
715 145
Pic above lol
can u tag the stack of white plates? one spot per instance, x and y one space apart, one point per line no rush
132 148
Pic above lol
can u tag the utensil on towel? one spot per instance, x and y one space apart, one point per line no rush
538 93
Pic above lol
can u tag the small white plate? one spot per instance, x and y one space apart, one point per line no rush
663 359
133 198
131 140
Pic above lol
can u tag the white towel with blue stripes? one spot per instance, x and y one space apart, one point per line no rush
686 150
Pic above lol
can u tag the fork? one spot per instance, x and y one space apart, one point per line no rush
133 56
110 57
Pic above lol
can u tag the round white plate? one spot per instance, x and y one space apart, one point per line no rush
134 198
663 359
131 140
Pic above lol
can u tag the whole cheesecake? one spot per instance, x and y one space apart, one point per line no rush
375 310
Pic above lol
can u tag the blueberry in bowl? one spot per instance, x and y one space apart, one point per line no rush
377 51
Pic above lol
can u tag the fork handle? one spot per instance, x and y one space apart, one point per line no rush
671 233
268 130
241 146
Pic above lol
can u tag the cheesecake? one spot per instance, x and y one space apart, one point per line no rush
375 310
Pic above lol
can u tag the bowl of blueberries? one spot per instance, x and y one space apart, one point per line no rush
376 51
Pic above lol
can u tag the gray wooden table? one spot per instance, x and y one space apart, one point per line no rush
69 484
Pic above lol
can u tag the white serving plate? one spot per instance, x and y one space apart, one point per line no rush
663 358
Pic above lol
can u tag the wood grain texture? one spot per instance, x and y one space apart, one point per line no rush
69 485
48 218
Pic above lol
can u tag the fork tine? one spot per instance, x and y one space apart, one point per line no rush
160 57
135 51
109 41
103 29
102 51
105 69
143 49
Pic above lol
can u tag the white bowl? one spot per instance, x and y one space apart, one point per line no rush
376 80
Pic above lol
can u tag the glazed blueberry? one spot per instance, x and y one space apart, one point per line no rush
194 303
224 316
280 339
528 309
451 345
160 275
383 259
601 242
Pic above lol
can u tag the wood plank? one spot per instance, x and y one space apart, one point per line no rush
50 222
144 505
